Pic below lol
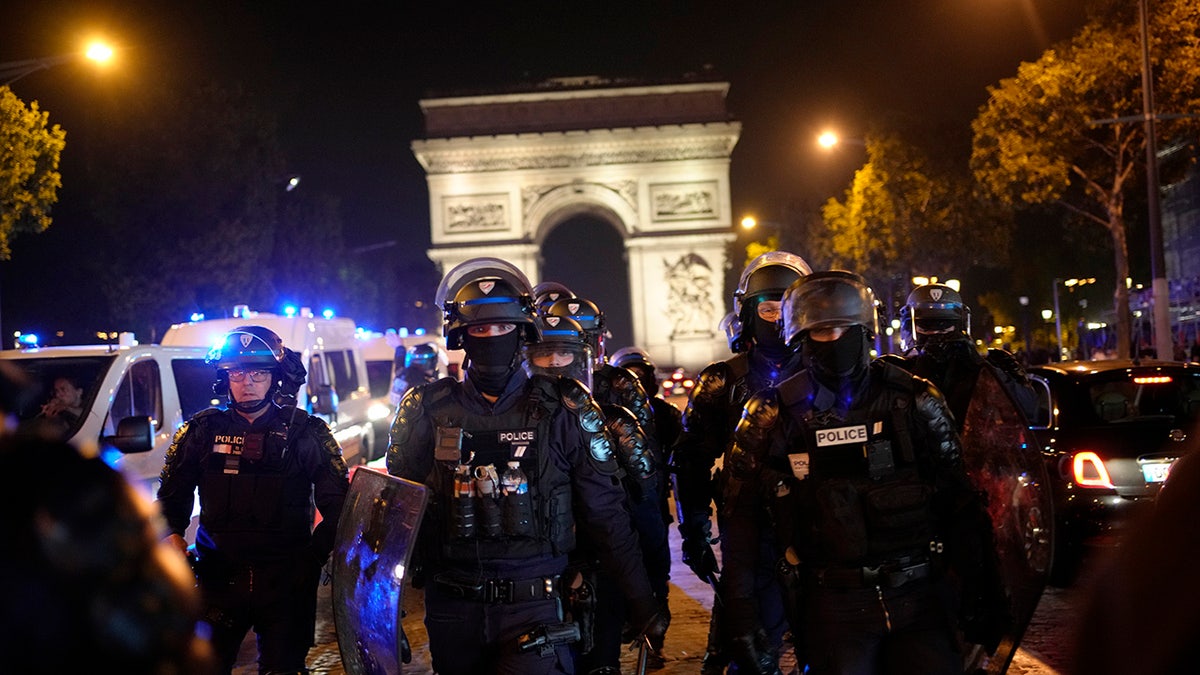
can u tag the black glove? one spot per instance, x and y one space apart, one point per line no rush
647 617
697 549
750 652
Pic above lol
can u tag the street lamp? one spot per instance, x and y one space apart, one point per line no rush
97 52
1158 272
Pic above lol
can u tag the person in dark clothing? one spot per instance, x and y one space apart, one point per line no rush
515 466
860 468
564 351
260 470
760 359
419 366
614 387
935 332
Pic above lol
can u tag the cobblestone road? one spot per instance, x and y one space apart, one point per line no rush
1043 650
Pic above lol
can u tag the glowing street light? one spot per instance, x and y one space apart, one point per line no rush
97 52
749 223
827 139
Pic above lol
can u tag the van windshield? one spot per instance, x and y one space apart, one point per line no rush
65 389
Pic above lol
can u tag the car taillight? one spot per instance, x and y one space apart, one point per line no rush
1088 471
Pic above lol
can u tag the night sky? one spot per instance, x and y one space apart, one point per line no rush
344 79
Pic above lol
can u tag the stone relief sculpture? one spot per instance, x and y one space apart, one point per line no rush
689 296
683 201
476 213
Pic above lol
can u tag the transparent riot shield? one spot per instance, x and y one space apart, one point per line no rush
375 538
1003 460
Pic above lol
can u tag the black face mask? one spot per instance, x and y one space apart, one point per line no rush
492 360
768 340
843 358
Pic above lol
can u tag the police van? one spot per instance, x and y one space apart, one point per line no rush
133 398
336 389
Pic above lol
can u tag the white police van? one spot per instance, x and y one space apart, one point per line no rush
134 398
336 389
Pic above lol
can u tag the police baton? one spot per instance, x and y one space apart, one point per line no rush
643 654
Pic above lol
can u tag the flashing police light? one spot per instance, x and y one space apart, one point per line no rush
328 314
197 316
403 332
28 339
289 310
420 331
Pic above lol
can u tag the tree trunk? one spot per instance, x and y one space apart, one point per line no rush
1116 226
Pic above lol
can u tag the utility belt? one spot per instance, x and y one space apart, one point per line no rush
885 575
499 591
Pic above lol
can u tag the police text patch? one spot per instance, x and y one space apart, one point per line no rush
841 435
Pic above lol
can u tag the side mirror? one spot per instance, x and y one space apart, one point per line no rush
134 435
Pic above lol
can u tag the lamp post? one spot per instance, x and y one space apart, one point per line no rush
1058 321
1163 342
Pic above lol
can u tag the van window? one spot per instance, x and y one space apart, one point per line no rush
379 378
342 372
86 372
194 378
140 395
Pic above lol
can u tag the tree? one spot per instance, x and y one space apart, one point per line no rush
1037 141
29 178
903 214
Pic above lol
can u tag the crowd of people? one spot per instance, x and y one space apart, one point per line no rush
850 533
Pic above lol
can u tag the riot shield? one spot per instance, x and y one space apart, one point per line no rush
1004 461
375 537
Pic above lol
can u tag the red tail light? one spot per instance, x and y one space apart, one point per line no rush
1088 471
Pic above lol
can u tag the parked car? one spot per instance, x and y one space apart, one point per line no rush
1109 432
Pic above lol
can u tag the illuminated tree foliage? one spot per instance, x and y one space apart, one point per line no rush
904 215
29 178
1037 139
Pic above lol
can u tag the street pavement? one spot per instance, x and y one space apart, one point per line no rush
1044 650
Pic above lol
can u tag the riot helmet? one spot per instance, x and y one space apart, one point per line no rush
481 291
244 350
828 300
637 361
423 357
563 351
933 313
547 293
589 317
764 280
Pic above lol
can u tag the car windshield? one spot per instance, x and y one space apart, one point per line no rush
1123 397
65 388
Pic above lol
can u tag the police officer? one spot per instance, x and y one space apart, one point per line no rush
861 469
419 367
259 468
615 387
535 447
547 293
935 332
761 359
565 352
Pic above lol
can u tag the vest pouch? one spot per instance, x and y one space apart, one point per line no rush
489 517
899 517
517 516
462 516
841 528
561 519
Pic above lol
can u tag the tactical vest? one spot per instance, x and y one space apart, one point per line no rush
249 480
861 499
473 525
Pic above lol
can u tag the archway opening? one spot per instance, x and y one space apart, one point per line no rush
587 255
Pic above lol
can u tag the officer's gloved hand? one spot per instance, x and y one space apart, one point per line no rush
698 554
751 654
646 617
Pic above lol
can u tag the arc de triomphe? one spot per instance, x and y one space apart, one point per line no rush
651 160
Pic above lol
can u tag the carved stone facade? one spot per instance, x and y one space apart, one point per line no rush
663 184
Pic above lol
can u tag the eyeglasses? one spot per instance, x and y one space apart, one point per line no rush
255 375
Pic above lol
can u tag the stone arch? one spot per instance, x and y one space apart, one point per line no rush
565 202
505 169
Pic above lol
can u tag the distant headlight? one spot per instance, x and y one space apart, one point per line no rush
379 411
